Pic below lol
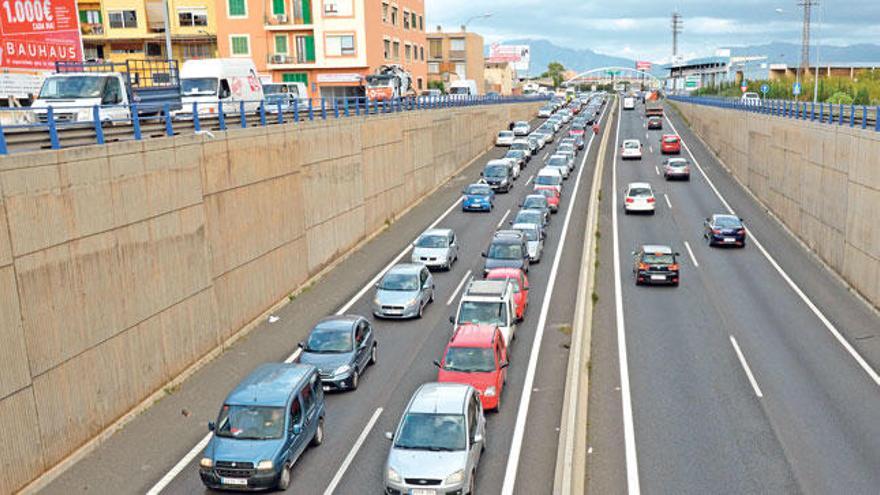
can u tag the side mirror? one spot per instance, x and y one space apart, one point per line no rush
676 254
301 345
505 364
437 364
296 429
478 439
451 319
212 426
481 174
389 435
483 254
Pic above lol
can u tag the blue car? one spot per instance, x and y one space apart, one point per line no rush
725 230
478 197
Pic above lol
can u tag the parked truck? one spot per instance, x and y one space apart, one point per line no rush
389 81
76 88
653 104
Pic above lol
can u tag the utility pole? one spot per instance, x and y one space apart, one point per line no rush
677 25
805 37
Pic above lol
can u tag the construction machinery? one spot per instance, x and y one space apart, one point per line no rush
389 82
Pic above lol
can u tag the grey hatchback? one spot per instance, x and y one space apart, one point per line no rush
341 347
404 291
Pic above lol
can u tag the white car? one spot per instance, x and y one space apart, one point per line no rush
545 112
631 149
542 139
549 177
522 128
559 162
505 138
639 197
750 99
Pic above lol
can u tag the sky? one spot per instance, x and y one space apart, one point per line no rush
640 29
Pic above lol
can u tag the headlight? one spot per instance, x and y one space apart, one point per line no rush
393 476
412 302
206 463
456 477
342 370
490 392
265 465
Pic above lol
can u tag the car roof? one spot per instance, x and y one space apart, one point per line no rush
437 232
656 248
638 184
508 234
549 171
536 196
525 226
474 335
631 141
439 398
406 268
717 216
487 288
498 161
270 384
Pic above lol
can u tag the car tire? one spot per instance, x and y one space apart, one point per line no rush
283 482
374 355
421 312
472 486
318 439
355 380
433 289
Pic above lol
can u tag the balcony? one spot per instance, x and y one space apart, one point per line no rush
457 54
283 22
283 61
92 29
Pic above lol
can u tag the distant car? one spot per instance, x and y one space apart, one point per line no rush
537 201
525 144
477 356
631 149
522 128
540 218
676 168
559 163
404 291
639 197
539 139
505 138
750 99
569 153
552 195
341 347
440 438
655 123
577 129
655 264
520 157
498 176
577 140
547 134
478 197
566 146
520 284
436 248
534 240
724 230
545 112
549 176
670 144
508 249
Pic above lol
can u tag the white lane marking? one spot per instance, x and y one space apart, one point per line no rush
352 453
690 252
629 440
666 197
657 169
523 411
293 357
745 365
875 377
180 466
464 280
530 179
501 222
651 148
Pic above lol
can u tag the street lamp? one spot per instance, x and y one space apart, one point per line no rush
480 16
816 74
797 73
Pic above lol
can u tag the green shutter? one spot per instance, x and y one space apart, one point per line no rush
239 45
307 16
237 7
100 17
310 48
280 43
277 7
83 17
300 77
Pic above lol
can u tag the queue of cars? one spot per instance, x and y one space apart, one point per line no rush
267 422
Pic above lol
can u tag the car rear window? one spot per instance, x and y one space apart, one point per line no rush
670 139
639 192
658 259
630 145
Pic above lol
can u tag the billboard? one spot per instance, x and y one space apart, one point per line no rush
36 33
520 55
643 66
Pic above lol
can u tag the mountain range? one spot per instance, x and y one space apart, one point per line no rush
543 52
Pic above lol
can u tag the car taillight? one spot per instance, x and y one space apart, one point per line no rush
674 267
650 200
643 266
716 231
629 200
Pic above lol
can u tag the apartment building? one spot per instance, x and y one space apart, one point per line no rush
118 30
456 55
500 77
329 45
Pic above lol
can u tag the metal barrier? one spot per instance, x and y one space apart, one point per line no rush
30 129
825 113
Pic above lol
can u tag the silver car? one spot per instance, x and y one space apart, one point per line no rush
534 240
436 248
404 291
438 443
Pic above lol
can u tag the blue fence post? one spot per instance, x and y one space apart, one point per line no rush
821 112
53 130
221 116
197 124
136 122
3 149
346 106
263 113
99 129
877 119
311 110
840 117
864 116
280 111
296 110
169 129
241 115
323 108
336 107
812 111
357 106
852 115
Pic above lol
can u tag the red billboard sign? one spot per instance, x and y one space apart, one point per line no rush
643 66
36 33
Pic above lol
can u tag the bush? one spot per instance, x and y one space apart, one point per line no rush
840 97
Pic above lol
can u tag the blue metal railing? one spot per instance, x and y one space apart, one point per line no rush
824 113
28 129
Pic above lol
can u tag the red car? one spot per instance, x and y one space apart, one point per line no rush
476 356
553 196
670 144
520 287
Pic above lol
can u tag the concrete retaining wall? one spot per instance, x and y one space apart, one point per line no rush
822 181
122 265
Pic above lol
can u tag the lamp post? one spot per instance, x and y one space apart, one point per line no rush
168 53
480 16
797 73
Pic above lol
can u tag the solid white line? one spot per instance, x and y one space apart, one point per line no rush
690 252
180 466
629 440
352 453
657 169
464 280
293 357
651 148
875 377
501 222
745 365
666 197
530 179
523 411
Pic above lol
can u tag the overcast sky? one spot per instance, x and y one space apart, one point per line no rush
639 29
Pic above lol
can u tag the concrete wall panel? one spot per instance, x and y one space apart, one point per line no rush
20 446
14 369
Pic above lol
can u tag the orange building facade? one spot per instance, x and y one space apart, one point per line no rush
329 45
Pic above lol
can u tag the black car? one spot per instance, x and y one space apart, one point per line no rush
655 123
499 177
655 264
509 249
341 347
724 230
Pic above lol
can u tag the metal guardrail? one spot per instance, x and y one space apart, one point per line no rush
861 116
27 129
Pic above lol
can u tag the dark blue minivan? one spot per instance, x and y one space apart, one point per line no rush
265 424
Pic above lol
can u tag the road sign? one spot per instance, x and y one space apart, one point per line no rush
744 86
796 88
765 88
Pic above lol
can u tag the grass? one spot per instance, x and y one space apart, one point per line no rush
565 329
595 297
171 389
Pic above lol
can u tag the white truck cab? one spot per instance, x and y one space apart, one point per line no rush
463 88
488 302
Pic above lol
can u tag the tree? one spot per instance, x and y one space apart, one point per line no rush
555 72
840 97
437 85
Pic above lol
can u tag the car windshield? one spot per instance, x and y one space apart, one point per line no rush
479 190
482 312
434 432
399 281
565 148
432 241
514 154
273 89
658 259
506 251
469 359
557 161
459 91
61 87
548 180
535 202
639 192
198 86
324 339
727 222
250 422
495 171
631 145
531 234
670 139
519 147
505 134
534 217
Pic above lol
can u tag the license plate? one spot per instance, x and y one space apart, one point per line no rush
234 481
729 239
423 491
658 277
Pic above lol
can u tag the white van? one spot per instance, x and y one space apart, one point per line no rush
629 103
285 93
229 80
463 88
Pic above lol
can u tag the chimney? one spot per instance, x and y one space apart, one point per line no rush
439 28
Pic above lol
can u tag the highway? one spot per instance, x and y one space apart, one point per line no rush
158 451
757 375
